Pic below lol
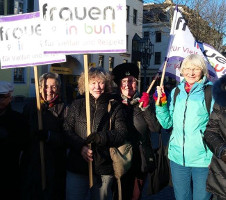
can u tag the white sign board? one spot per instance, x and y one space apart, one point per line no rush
22 43
80 27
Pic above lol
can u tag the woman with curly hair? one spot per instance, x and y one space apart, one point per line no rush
77 182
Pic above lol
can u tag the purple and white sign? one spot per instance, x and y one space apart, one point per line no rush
80 27
21 41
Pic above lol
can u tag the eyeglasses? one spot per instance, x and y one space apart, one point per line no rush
196 70
128 82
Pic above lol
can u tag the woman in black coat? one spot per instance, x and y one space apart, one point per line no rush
52 136
215 138
140 122
101 138
13 141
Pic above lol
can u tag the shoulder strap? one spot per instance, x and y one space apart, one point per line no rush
208 97
109 109
177 90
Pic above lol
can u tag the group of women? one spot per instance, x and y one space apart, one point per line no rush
66 145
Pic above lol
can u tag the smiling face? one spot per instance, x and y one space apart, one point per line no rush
49 89
96 87
128 86
192 74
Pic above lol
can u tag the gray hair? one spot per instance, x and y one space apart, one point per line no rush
95 72
52 75
194 60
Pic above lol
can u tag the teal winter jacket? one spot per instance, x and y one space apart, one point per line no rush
188 119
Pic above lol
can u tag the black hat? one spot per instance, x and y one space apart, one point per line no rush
123 70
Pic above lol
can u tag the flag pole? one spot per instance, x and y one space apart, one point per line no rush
150 87
88 114
40 127
169 47
162 79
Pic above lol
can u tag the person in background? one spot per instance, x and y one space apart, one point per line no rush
13 141
101 138
189 156
140 122
215 138
53 114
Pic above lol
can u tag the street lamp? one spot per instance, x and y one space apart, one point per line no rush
146 49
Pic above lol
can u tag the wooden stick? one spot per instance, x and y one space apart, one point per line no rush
40 127
86 71
162 80
150 87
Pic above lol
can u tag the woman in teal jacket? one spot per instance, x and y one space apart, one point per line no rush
189 156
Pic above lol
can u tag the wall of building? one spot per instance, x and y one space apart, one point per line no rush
131 30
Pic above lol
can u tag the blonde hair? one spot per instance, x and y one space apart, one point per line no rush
95 72
194 60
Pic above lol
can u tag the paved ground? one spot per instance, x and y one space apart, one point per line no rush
167 193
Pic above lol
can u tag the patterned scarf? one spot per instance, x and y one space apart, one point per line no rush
134 100
187 87
51 103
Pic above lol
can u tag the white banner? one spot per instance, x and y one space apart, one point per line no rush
21 42
216 59
182 44
80 27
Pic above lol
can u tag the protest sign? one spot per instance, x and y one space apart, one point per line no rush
22 42
182 43
81 27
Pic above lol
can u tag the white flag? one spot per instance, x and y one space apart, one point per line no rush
182 44
216 59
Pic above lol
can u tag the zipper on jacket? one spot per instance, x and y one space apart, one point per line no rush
184 128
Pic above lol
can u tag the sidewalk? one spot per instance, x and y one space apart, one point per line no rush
167 193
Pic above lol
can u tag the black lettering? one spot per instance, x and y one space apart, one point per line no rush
67 10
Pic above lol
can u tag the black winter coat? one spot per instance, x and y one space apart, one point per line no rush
140 125
76 133
215 138
54 154
13 140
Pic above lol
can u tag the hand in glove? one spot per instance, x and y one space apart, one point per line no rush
161 93
42 135
144 99
93 138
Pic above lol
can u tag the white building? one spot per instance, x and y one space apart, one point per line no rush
156 26
134 20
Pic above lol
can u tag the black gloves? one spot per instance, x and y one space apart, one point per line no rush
93 138
223 155
42 135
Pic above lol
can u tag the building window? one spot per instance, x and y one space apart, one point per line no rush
127 13
101 61
158 36
157 58
111 63
134 16
19 75
146 34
